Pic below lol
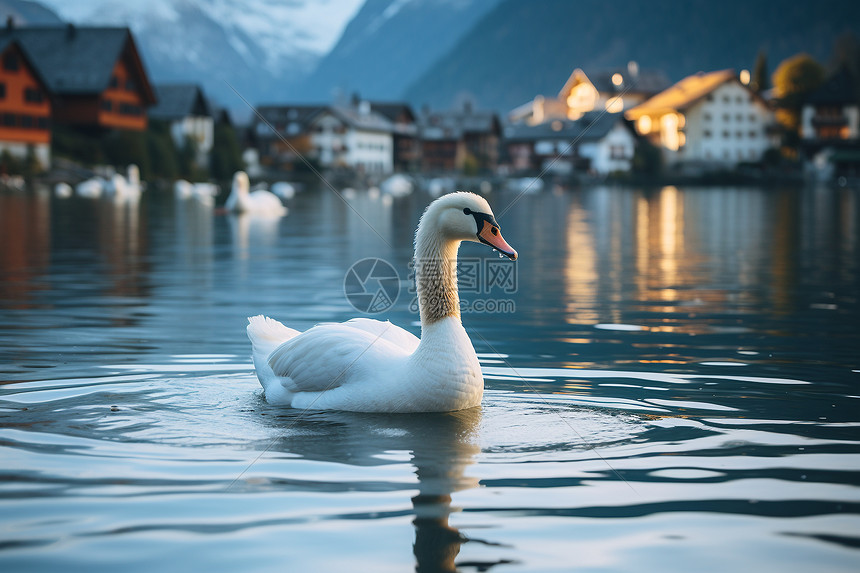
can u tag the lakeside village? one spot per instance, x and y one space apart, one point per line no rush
76 103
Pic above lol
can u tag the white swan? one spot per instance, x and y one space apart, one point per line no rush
366 365
241 200
284 189
396 186
63 190
91 188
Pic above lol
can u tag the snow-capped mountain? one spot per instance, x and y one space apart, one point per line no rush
259 47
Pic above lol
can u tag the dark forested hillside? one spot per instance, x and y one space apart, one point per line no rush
523 48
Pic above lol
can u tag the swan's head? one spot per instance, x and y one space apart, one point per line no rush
241 184
466 217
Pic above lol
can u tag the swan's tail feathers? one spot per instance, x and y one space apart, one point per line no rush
266 334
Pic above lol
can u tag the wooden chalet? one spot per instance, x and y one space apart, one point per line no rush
25 107
94 75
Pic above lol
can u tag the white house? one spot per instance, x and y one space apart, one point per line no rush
355 137
597 143
189 115
710 119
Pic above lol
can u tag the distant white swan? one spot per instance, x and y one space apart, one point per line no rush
366 365
241 200
284 190
91 188
63 190
396 186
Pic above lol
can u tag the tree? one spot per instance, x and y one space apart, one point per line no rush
226 157
793 80
760 81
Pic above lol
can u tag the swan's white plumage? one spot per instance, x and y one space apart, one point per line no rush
260 202
366 365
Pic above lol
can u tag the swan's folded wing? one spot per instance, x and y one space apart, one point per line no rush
328 355
390 332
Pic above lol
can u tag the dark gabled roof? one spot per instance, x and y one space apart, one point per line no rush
393 111
75 60
454 124
296 119
592 126
368 120
646 82
840 88
177 101
6 42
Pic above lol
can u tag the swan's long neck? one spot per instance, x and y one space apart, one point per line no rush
436 275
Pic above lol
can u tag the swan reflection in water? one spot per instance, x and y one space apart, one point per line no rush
441 446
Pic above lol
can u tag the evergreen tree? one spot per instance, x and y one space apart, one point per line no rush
226 156
760 81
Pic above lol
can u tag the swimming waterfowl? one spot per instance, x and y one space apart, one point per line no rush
260 202
366 365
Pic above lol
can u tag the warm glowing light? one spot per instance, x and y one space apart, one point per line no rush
617 79
557 125
614 105
745 77
669 131
582 97
644 124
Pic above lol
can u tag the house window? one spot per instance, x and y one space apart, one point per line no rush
10 62
129 109
617 152
107 105
33 95
2 90
739 134
707 117
114 81
707 133
710 97
752 118
726 99
129 85
753 134
42 122
725 134
27 121
9 119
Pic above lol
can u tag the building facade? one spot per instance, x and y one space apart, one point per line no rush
25 107
708 119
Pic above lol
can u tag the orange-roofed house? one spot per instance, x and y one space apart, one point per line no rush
709 119
25 107
95 75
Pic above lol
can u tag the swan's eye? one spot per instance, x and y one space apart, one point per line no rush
467 211
494 231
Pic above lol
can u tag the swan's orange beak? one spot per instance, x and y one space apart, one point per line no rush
491 235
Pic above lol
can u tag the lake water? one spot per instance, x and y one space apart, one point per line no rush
672 384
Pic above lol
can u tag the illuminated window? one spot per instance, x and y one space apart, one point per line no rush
614 105
669 131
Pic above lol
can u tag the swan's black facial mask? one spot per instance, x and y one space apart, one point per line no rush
489 233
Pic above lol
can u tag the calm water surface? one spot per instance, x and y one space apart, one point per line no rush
675 389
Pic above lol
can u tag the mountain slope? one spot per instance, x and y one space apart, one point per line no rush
259 47
389 44
523 48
